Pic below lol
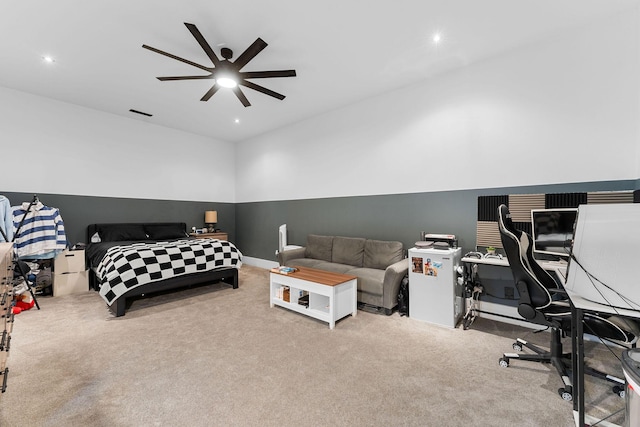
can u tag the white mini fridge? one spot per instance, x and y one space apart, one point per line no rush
434 293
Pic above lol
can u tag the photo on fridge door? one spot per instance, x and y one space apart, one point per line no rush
431 268
416 264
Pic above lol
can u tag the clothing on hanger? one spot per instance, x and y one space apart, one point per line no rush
42 235
6 218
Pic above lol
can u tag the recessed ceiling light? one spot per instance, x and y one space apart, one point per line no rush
237 120
437 38
48 59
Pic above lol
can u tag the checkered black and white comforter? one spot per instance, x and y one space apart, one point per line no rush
128 266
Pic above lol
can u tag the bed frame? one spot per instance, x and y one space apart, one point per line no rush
118 308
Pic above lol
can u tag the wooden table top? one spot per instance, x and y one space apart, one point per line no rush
323 277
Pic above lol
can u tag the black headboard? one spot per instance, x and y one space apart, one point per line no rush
93 228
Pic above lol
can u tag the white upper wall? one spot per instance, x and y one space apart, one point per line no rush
54 147
562 110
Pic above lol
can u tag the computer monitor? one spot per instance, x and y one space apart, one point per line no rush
552 231
606 249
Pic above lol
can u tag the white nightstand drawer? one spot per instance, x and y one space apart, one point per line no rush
69 262
70 283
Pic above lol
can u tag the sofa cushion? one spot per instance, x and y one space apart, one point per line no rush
348 250
381 254
305 262
334 267
319 247
319 265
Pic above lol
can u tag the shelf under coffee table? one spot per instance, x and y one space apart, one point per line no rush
332 296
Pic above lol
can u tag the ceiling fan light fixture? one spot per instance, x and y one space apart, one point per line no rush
226 81
227 73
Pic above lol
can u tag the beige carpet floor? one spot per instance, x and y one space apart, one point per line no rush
216 356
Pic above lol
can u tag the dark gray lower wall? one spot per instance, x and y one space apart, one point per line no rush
398 217
253 227
79 211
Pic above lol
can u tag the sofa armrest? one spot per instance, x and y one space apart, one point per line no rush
393 276
286 256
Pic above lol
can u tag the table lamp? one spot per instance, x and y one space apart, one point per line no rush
210 219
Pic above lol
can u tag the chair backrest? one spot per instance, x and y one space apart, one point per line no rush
518 247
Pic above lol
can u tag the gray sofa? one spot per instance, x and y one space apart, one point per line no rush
379 265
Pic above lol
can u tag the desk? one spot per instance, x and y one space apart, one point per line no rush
579 306
606 246
501 262
496 271
551 266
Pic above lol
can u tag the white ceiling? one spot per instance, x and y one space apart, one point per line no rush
343 51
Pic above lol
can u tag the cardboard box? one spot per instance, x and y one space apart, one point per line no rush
69 262
70 283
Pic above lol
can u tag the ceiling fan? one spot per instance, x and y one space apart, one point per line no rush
227 73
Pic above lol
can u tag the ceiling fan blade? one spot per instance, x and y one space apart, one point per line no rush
165 79
241 96
203 43
246 56
186 61
262 89
210 92
267 74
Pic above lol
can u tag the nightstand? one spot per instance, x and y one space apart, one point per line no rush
217 235
70 274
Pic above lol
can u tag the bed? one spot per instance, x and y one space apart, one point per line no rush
127 260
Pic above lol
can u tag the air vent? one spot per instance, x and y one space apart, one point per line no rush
140 112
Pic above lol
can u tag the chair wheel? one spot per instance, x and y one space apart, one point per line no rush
467 322
517 346
619 390
503 362
565 395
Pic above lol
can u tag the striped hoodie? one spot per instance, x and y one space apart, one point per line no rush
42 234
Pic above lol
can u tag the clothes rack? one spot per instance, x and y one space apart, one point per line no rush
20 266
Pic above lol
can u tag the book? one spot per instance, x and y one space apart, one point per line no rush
284 270
283 293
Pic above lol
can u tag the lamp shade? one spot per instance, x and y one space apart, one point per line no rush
210 217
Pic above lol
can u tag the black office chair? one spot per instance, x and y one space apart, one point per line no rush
542 302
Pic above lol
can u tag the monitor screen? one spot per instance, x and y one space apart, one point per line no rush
552 230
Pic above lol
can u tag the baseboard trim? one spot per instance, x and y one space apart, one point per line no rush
259 262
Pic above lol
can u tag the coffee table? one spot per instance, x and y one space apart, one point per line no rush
332 296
